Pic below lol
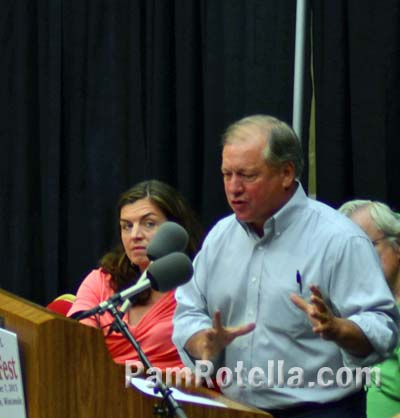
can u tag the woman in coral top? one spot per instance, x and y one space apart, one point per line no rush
141 210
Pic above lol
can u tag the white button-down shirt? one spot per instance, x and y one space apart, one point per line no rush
250 280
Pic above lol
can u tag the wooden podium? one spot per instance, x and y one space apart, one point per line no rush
68 372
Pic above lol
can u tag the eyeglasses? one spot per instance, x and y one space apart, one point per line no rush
375 242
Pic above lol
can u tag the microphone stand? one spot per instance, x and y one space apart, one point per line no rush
174 409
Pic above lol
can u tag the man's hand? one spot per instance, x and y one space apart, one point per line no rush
208 344
345 333
320 315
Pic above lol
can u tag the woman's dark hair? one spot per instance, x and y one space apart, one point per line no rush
173 206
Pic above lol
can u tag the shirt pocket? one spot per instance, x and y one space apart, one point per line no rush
282 316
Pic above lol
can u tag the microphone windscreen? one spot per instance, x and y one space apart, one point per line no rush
169 238
170 271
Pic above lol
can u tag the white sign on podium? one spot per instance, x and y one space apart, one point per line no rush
12 401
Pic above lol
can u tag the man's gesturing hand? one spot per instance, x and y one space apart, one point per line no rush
321 317
345 333
208 344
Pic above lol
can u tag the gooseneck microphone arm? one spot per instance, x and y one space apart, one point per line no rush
171 238
174 409
114 300
164 274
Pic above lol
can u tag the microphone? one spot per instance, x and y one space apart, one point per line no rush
125 306
164 274
170 237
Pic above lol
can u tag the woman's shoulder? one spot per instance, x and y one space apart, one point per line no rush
97 278
97 274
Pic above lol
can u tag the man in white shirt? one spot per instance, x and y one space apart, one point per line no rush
283 286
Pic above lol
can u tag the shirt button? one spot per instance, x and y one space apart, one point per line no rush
254 279
277 234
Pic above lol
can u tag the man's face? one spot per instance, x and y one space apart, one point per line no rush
254 189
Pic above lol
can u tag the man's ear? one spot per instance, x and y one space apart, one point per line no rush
288 174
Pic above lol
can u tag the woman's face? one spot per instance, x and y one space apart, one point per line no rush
390 256
139 222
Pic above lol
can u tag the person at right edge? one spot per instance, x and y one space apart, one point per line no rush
382 227
284 281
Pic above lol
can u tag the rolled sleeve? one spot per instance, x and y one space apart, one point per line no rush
382 332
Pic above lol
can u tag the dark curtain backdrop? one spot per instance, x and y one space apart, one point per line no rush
357 77
97 95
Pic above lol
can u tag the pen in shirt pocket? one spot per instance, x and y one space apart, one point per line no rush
299 282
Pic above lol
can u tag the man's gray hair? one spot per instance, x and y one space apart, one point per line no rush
283 145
